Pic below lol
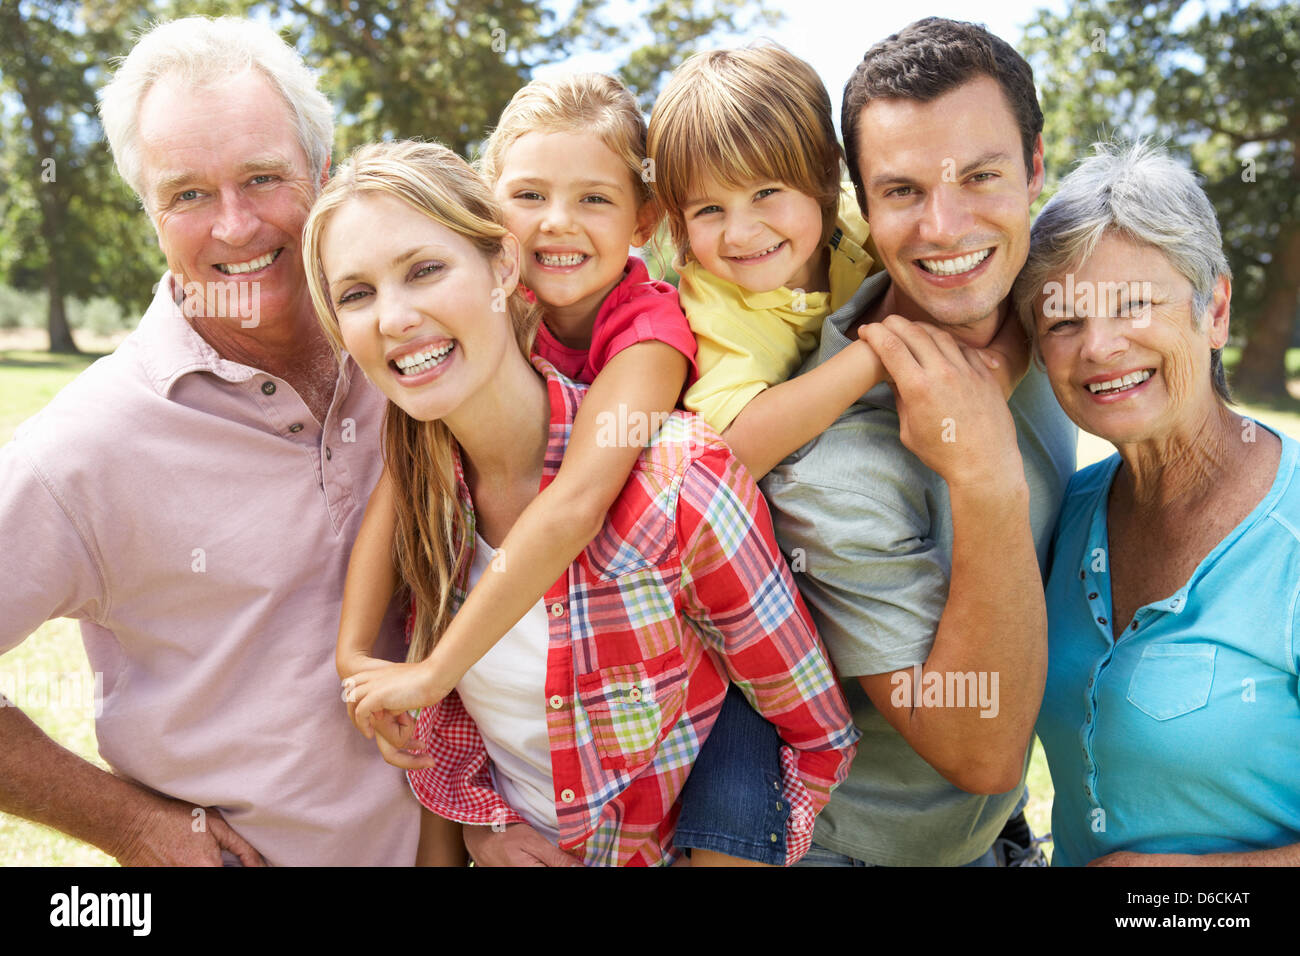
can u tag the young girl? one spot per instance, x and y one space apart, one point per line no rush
748 171
592 710
565 162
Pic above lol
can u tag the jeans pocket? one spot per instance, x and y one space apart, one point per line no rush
632 707
1172 679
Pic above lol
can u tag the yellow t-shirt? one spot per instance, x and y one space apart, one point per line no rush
749 341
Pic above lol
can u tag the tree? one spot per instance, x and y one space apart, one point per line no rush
394 68
445 71
71 227
1221 85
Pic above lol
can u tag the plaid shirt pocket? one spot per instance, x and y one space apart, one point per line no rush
632 707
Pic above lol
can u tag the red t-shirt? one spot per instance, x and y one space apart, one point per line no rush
638 309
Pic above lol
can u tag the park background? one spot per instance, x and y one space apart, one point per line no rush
1216 81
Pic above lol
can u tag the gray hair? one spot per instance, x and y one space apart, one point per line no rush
1140 193
200 50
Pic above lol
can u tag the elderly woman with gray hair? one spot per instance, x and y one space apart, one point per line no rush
1170 717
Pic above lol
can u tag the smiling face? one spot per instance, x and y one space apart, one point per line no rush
761 236
1122 351
948 202
229 188
575 209
415 303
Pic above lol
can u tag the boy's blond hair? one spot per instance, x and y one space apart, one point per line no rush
754 113
578 103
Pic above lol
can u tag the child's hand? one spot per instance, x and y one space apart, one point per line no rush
351 666
1007 356
393 688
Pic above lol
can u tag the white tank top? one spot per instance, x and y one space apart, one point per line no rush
505 693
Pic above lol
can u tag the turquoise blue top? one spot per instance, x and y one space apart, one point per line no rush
1182 736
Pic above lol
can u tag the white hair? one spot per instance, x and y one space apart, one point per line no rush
199 51
1139 192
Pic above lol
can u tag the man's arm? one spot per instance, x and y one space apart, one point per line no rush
953 417
43 782
49 572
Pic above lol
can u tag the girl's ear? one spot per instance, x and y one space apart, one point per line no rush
647 219
506 263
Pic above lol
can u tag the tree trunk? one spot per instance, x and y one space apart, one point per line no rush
60 332
1262 372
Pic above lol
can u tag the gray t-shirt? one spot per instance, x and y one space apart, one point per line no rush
868 528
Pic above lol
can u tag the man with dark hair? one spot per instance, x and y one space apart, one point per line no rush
922 517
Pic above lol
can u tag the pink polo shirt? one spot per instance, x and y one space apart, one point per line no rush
197 520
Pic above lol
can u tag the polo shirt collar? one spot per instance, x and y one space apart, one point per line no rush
171 349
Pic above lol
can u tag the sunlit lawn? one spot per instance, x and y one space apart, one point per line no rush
28 380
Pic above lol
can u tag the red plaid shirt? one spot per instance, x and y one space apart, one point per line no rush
682 590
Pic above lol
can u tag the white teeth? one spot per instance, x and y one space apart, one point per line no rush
239 268
757 255
417 362
952 267
568 259
1120 384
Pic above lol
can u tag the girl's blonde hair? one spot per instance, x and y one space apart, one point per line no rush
736 116
579 103
431 543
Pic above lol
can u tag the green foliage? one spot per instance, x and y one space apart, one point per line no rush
1218 83
69 225
441 70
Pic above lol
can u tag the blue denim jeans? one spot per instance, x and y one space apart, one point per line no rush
732 800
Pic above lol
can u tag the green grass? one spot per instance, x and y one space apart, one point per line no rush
28 380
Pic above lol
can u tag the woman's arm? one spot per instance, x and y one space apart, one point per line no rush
783 418
371 581
637 388
1281 856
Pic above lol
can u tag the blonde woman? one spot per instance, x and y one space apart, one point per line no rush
584 721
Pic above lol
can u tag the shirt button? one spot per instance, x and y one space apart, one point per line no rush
634 693
773 837
1092 596
1101 620
296 427
557 702
557 609
268 388
1133 626
1087 718
566 795
1083 575
1174 603
328 454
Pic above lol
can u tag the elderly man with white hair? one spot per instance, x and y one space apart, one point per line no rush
193 498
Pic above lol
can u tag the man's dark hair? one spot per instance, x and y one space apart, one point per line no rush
927 59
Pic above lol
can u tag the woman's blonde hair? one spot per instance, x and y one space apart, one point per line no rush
579 103
431 544
736 116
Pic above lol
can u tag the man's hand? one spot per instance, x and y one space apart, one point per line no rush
169 833
516 845
952 414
